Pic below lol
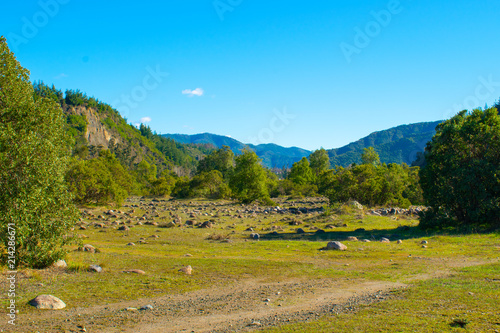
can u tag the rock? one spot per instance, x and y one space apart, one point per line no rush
167 225
124 228
336 246
352 238
356 205
135 271
300 231
131 309
60 264
366 240
424 246
47 302
131 244
423 242
255 236
146 307
206 224
188 270
249 229
400 241
255 323
95 268
320 231
88 248
384 240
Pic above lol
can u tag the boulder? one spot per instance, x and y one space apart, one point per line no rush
95 268
384 240
352 238
135 271
336 246
88 248
60 264
188 270
47 302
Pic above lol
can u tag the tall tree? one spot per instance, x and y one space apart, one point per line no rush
301 172
461 181
319 161
249 181
370 156
221 160
34 153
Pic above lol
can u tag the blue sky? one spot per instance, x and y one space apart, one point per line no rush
296 73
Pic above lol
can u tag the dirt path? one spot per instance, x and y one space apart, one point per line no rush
240 307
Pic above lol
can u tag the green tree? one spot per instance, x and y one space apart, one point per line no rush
34 155
370 156
301 172
210 185
461 181
248 181
319 162
221 160
102 180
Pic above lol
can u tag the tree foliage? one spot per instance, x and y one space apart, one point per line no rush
461 181
319 162
34 154
249 181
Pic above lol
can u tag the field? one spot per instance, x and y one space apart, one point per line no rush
284 281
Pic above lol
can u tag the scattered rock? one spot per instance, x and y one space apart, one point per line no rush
400 241
424 242
188 270
206 224
255 236
146 307
336 246
255 324
95 268
124 228
135 271
47 302
352 238
300 231
131 244
60 264
366 240
384 240
88 248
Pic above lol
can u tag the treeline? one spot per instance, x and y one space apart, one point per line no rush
221 175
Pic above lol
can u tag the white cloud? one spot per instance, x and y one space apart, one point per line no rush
197 92
61 76
145 120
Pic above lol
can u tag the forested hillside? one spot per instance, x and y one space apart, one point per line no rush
395 145
113 159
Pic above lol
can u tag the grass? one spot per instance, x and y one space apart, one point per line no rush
226 254
468 300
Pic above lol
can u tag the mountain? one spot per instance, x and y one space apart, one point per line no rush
394 145
95 126
272 155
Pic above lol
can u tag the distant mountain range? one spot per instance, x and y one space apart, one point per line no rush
273 156
394 145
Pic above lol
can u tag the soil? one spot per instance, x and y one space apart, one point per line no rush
241 307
